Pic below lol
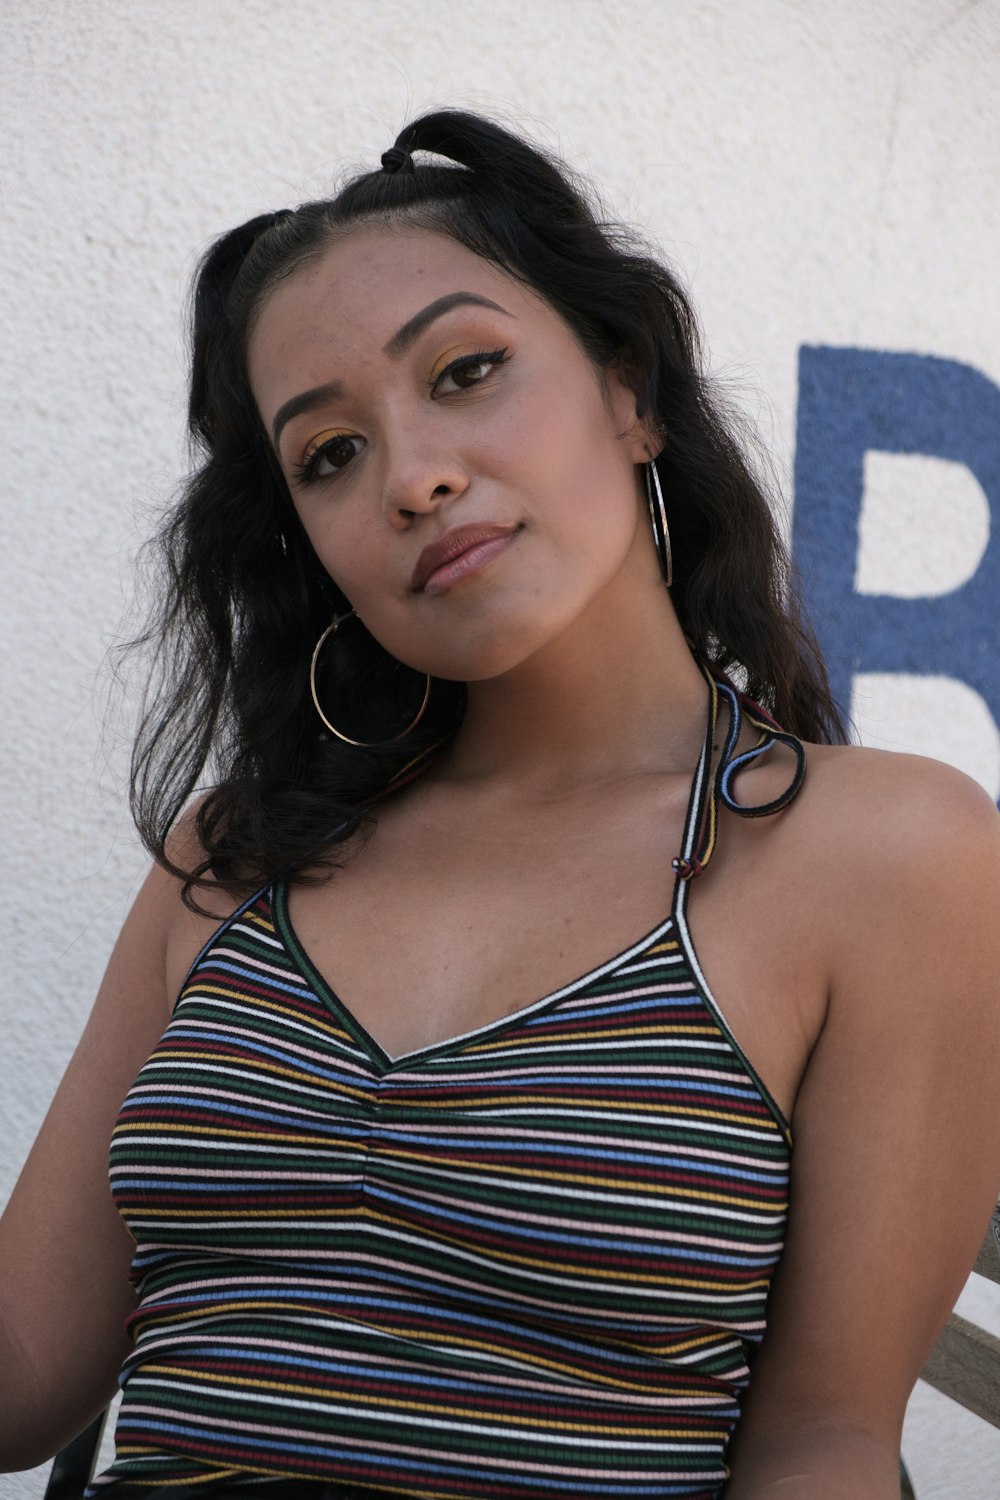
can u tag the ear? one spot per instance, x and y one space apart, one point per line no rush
640 433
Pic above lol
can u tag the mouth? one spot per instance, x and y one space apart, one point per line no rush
463 550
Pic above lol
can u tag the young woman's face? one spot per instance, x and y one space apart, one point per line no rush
464 473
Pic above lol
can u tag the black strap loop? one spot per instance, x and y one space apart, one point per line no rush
711 789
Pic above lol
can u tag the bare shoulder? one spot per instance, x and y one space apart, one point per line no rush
885 774
185 930
880 813
876 835
893 867
906 859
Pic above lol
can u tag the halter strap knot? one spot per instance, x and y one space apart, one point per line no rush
712 788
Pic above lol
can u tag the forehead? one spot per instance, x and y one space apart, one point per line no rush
362 288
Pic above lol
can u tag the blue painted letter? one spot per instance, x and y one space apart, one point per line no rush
852 401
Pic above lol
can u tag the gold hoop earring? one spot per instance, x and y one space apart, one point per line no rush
360 744
658 517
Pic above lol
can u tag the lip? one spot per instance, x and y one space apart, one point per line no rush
454 545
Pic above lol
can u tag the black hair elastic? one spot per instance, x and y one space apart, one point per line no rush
396 159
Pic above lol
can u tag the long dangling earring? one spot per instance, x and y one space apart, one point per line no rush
658 517
361 744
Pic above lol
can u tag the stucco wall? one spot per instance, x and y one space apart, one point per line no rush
826 176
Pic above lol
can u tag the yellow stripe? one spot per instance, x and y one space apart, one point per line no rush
253 1065
195 989
666 1347
136 1127
376 1400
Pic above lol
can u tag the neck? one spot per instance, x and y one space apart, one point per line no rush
618 696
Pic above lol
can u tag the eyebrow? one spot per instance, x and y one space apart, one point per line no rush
305 401
411 330
395 348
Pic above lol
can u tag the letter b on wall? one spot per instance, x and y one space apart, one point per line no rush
858 402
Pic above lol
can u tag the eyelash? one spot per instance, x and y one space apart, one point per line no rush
469 361
305 472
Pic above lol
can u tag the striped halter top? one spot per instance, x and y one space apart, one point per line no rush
528 1262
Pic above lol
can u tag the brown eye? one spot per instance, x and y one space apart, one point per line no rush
472 369
327 459
471 374
336 453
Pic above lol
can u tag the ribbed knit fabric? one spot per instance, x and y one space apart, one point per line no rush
531 1261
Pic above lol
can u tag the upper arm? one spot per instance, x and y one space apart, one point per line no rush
64 1251
897 1124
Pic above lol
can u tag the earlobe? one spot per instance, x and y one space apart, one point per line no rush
641 434
645 441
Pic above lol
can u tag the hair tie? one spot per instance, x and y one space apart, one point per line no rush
396 159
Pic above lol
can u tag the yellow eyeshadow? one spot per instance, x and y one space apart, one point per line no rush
324 437
443 360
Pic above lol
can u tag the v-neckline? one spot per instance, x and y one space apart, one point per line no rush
387 1060
702 801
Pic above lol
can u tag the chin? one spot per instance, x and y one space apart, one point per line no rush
483 661
478 667
485 644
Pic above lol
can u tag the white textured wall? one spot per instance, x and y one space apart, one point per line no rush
822 174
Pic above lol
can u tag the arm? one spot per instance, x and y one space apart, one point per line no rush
64 1251
897 1135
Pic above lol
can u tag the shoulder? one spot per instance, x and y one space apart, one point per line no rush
165 924
880 812
877 774
866 820
904 853
891 879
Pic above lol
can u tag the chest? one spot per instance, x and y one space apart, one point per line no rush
618 1107
444 924
440 925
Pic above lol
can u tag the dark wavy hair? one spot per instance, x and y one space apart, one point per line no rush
246 598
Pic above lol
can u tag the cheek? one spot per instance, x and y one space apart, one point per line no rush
588 468
575 430
356 560
341 545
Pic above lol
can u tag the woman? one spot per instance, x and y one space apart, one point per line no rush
481 615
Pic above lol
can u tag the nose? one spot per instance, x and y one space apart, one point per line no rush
422 471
